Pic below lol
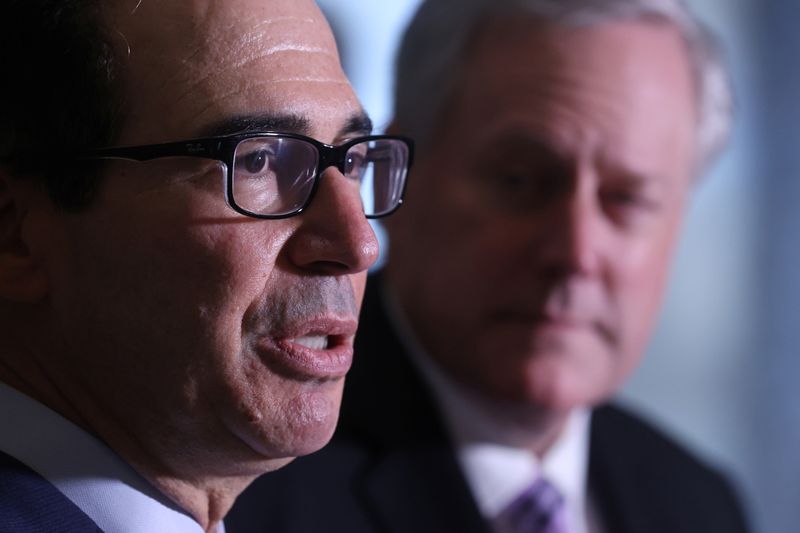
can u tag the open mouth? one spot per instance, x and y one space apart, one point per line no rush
313 342
319 350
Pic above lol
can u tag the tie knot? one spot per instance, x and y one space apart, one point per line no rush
538 509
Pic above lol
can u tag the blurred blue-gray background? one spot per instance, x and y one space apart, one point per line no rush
721 369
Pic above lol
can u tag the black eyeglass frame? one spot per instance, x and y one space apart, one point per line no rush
223 148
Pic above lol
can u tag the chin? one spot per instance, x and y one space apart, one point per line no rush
281 427
309 423
314 436
280 447
564 389
554 383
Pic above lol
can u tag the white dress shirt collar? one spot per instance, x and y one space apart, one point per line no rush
496 470
85 470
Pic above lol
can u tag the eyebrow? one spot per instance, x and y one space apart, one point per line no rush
248 123
357 124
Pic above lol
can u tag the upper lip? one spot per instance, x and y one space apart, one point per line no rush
337 327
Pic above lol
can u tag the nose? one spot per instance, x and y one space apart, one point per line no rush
571 233
334 236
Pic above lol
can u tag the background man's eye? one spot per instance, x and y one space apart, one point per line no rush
628 199
620 197
514 184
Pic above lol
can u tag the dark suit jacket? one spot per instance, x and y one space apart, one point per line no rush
391 468
31 504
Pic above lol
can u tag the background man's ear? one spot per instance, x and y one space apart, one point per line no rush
22 275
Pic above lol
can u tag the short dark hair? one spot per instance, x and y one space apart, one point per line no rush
59 94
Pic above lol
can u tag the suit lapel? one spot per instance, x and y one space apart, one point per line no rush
29 503
420 491
627 497
413 483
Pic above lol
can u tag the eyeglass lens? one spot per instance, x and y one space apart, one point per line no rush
275 175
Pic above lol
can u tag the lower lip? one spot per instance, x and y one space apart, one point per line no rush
300 362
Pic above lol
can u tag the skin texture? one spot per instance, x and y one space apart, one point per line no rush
165 323
532 253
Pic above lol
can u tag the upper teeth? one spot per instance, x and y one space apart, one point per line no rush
315 342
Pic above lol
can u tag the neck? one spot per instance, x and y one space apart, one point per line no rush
202 479
475 417
206 502
24 371
478 418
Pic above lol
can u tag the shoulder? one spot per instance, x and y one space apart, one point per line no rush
643 445
31 504
632 463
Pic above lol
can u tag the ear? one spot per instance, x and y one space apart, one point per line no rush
22 276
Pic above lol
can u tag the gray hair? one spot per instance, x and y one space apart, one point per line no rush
433 48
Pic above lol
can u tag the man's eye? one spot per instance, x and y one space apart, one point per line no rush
516 190
354 164
629 207
627 199
254 162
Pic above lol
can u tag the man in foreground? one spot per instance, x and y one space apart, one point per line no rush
559 142
182 260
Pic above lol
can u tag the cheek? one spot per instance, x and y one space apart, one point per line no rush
641 277
167 281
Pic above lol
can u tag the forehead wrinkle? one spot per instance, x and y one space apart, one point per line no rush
191 91
210 78
264 36
262 31
284 18
202 66
286 48
217 44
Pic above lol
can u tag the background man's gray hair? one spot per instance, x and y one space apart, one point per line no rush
431 57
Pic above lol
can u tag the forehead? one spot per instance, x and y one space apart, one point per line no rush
623 83
190 63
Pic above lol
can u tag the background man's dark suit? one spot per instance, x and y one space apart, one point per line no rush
391 467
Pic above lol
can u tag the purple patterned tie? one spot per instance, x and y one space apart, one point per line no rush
540 509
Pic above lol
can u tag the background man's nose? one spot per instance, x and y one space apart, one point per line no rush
569 234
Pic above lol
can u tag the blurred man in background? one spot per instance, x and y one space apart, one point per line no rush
182 259
559 144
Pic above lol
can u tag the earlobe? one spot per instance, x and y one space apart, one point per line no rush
22 276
